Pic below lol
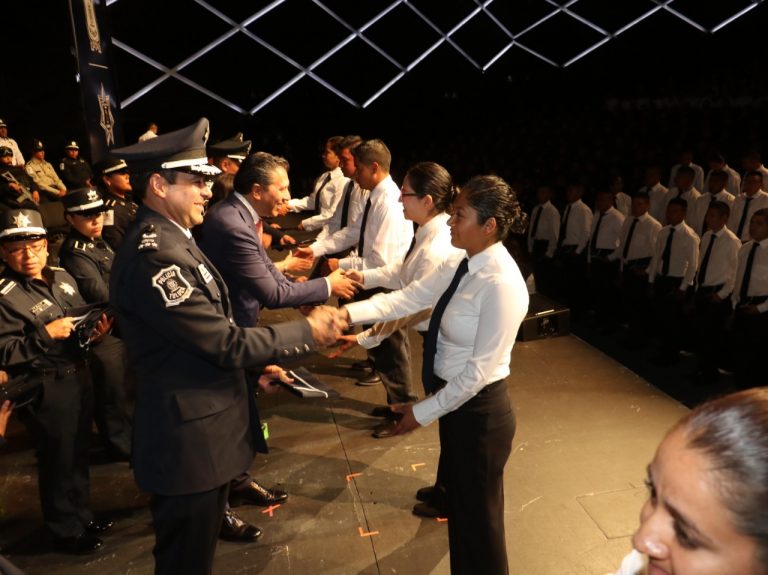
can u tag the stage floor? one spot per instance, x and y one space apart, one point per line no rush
587 427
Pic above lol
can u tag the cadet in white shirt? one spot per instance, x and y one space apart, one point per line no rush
715 277
542 240
672 271
752 161
18 158
570 257
686 160
684 189
621 200
326 193
715 192
717 162
747 203
657 193
604 238
636 248
750 300
477 310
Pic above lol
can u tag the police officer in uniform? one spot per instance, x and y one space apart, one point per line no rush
195 423
114 183
17 189
74 171
37 338
88 258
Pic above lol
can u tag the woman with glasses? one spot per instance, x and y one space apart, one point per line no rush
38 338
477 308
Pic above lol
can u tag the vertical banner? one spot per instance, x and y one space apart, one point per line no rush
93 41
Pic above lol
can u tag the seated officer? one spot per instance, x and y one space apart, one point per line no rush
74 171
114 182
40 340
88 258
17 189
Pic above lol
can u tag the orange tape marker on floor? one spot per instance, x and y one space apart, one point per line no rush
270 509
368 534
351 475
414 466
441 519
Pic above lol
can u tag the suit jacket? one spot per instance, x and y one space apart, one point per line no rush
230 241
195 423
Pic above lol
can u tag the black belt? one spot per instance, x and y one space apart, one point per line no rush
754 300
637 263
439 383
706 290
59 371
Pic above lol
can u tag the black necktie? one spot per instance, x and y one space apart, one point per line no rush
667 253
747 273
712 198
628 241
345 206
320 189
361 241
593 243
705 262
430 340
743 219
564 225
413 242
536 222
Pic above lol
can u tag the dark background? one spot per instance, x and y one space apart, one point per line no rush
637 99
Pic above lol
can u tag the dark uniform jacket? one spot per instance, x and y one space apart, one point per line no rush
121 212
195 418
231 243
75 172
26 305
10 198
90 263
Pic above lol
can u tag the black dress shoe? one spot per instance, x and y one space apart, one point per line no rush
386 429
372 378
99 526
427 510
381 411
233 528
426 493
81 545
256 494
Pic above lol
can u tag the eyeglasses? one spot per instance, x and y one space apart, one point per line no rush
33 249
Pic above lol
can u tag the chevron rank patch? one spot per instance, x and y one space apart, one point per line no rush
172 286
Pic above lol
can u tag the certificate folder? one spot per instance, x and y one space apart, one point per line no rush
306 384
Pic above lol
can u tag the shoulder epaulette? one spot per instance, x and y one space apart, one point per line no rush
149 238
6 285
58 269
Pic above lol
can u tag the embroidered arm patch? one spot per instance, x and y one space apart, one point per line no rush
172 285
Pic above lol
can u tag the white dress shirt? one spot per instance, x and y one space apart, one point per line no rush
658 195
758 283
721 268
327 195
759 201
432 248
697 213
357 199
477 331
548 228
18 158
698 177
684 256
623 203
387 233
579 225
148 135
732 186
690 196
643 244
608 235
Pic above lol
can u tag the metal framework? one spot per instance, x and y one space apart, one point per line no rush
514 40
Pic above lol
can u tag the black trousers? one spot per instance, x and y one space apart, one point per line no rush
108 368
475 443
751 338
543 269
709 320
391 359
61 425
634 303
604 276
669 308
186 531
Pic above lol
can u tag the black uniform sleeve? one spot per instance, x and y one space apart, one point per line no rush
90 282
194 321
20 342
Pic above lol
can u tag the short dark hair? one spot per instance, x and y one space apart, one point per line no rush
723 209
720 175
678 202
371 151
429 178
762 212
347 142
754 173
732 432
685 171
645 196
258 168
492 197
